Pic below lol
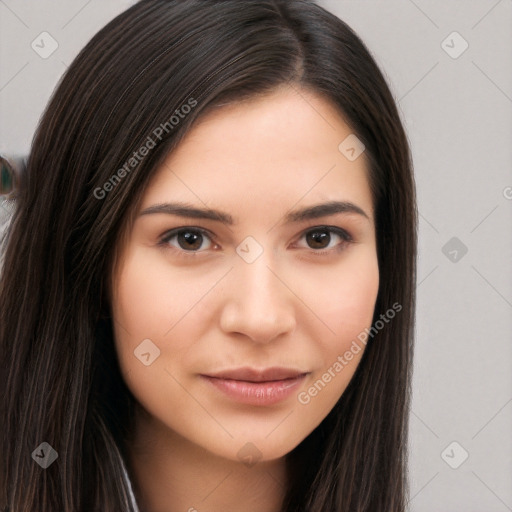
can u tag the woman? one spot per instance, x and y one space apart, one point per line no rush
175 333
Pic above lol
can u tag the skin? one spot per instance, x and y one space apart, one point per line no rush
256 161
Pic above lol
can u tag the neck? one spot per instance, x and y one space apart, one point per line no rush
172 474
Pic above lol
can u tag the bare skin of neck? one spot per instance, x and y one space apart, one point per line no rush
174 475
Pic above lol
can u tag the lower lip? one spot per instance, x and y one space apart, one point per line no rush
256 393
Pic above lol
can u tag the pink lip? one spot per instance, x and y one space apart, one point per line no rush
257 387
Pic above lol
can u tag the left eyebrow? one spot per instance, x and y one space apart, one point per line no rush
324 210
301 215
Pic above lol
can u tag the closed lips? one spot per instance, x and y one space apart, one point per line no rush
255 375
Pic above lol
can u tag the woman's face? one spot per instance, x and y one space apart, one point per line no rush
231 330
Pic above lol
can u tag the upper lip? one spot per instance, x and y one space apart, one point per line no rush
254 375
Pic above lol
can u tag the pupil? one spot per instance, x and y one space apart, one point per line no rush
190 238
318 237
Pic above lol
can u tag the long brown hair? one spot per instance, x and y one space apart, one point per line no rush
60 373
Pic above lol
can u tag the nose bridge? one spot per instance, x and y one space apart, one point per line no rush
259 304
259 282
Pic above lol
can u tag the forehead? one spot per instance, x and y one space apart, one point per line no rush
274 150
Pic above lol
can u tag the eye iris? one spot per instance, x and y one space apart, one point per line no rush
318 237
191 240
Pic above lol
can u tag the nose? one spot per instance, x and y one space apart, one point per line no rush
259 304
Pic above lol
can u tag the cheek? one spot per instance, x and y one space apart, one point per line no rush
150 301
139 298
357 294
139 309
344 299
347 308
144 308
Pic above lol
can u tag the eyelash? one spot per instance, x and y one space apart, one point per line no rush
344 235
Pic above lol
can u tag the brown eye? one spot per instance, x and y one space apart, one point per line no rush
322 236
188 239
318 239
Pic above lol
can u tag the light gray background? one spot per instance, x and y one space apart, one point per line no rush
458 114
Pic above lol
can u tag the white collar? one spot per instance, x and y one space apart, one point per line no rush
129 484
